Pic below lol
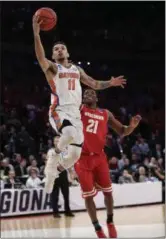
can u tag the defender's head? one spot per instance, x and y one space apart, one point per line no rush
59 52
90 96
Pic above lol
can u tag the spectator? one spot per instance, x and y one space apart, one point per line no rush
24 141
33 181
142 175
16 160
7 151
31 158
12 181
152 141
144 147
21 170
134 162
157 152
121 162
136 149
126 177
126 164
6 167
158 172
146 161
33 166
161 164
44 160
153 162
152 176
114 170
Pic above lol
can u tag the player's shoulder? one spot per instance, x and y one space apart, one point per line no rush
75 67
84 108
101 110
59 66
104 112
51 152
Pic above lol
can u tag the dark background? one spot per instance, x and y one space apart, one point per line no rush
117 38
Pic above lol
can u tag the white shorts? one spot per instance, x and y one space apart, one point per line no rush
57 118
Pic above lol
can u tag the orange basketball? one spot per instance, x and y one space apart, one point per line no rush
49 18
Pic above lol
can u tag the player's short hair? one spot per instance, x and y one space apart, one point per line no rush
85 89
59 42
88 88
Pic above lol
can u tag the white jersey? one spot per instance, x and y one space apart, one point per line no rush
66 89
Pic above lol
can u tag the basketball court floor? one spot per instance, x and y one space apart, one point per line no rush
135 222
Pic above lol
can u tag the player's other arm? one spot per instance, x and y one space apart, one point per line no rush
45 64
101 85
122 129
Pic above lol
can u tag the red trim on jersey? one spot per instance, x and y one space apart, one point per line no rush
55 104
109 189
89 194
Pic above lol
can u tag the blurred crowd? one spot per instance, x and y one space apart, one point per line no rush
26 136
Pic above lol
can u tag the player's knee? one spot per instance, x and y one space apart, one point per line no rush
70 132
108 195
89 199
76 153
80 137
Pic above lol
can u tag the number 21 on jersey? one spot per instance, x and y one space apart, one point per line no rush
71 84
92 126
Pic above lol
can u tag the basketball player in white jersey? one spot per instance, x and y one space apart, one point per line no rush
65 80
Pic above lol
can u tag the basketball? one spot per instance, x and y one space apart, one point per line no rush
49 18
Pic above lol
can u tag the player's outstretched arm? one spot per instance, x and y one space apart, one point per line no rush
122 129
39 50
101 85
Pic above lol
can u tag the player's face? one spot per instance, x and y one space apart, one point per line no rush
60 52
90 97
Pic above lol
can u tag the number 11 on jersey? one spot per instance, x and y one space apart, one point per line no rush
92 126
71 84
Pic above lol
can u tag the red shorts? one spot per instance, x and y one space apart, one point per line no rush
93 174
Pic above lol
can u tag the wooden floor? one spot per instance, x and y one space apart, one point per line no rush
124 218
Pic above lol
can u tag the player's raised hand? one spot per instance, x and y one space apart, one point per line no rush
36 24
118 81
135 121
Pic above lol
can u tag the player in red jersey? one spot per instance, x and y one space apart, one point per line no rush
92 168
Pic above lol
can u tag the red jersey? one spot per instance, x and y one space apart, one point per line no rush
95 129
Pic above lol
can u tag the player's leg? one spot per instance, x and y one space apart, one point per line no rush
71 134
55 198
91 209
103 182
86 181
50 171
71 156
64 185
